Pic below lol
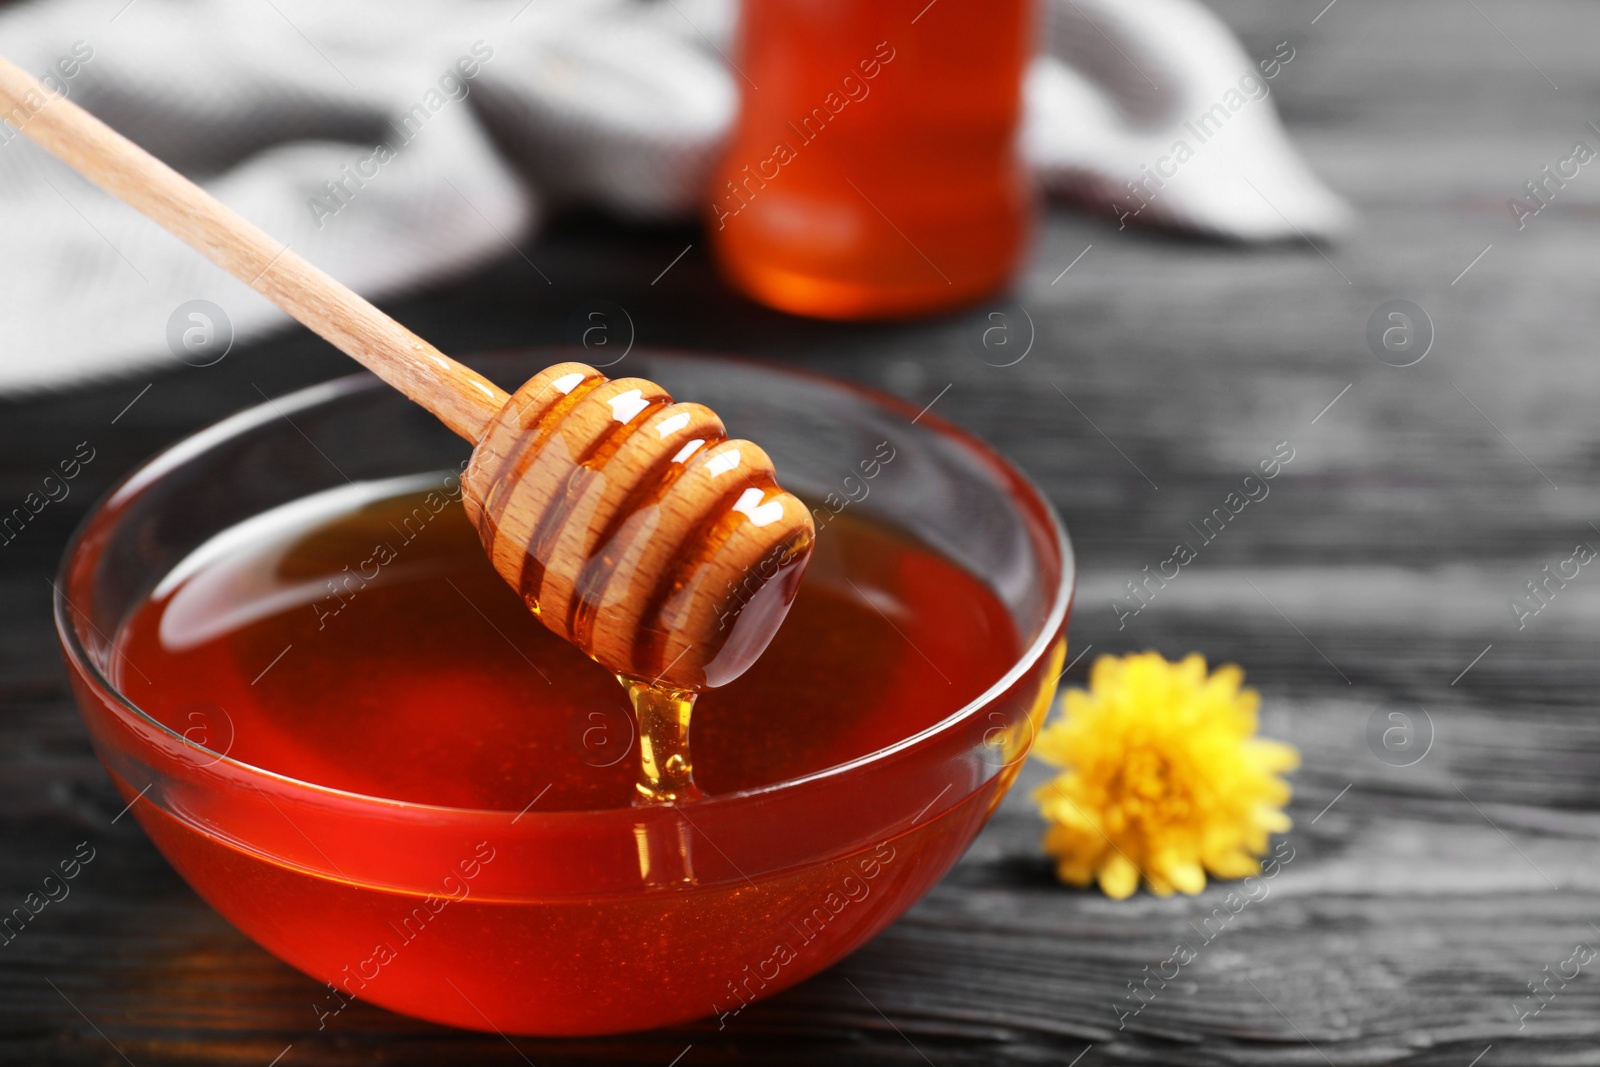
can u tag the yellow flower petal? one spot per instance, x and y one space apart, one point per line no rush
1273 756
1187 875
1118 877
1232 865
1161 767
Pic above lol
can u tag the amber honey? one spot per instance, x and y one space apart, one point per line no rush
873 170
360 640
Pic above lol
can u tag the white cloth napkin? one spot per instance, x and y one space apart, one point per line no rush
499 111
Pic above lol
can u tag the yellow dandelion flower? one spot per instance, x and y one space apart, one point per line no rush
1164 777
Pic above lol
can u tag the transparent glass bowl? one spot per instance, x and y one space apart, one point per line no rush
559 932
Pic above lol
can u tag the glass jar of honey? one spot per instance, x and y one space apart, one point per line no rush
873 170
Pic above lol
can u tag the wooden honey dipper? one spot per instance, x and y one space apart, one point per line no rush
631 525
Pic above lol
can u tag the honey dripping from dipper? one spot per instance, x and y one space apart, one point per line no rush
631 523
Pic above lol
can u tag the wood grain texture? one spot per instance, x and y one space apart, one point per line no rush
1417 907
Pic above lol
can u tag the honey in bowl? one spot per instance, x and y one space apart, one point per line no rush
366 780
359 639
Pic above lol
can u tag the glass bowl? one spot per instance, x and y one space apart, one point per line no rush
548 922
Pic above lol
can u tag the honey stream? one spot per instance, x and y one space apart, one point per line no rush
666 771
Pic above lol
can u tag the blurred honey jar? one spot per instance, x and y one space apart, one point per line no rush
873 171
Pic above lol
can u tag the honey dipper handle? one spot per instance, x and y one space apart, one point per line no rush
463 400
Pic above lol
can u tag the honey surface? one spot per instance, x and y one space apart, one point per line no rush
361 640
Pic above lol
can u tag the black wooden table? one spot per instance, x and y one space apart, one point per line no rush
1376 580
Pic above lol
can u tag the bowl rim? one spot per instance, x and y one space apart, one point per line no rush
198 442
